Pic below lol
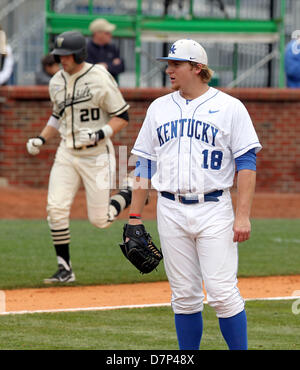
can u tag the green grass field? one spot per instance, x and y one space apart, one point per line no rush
27 256
271 326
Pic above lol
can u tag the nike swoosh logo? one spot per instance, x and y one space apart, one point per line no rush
192 58
213 111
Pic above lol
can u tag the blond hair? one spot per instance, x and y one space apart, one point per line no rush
205 73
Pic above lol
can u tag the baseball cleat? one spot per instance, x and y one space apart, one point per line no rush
62 275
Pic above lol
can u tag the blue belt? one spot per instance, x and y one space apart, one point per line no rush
209 197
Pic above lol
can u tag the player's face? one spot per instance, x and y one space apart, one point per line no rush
68 64
180 73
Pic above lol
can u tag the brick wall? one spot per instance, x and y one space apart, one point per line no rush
275 112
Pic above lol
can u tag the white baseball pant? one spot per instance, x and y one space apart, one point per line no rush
197 244
73 167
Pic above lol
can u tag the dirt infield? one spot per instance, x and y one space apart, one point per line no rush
59 298
31 204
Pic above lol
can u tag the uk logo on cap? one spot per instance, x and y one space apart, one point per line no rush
187 50
172 49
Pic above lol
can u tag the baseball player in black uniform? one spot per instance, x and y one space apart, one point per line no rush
88 108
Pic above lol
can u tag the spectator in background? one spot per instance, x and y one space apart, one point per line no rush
101 50
6 62
49 68
292 63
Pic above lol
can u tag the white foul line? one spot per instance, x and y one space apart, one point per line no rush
107 308
103 308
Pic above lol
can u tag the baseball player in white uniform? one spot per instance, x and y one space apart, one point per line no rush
191 143
88 108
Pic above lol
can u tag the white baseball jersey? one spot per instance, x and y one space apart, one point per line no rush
86 99
195 142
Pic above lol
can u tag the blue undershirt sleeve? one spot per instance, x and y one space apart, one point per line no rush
247 161
145 168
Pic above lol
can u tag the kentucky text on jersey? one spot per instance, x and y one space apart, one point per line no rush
187 127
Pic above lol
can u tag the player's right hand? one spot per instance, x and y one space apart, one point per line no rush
87 136
33 145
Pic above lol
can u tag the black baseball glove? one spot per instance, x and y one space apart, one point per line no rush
140 249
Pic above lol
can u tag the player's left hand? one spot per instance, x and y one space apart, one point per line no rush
241 229
139 248
87 136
